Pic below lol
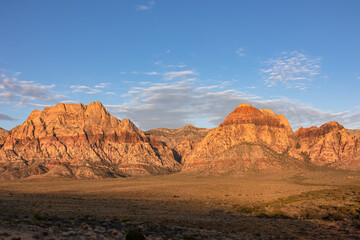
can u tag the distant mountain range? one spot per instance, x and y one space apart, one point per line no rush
85 141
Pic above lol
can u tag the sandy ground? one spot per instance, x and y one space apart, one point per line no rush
183 207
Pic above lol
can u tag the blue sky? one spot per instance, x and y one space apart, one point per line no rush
168 63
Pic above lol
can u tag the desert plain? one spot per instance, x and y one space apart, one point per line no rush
316 204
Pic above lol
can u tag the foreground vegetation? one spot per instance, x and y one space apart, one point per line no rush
310 205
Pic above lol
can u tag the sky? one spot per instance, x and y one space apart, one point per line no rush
169 63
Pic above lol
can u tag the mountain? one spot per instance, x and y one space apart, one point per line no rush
82 141
329 145
249 139
85 141
182 141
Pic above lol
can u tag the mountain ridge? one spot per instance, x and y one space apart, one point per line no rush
86 141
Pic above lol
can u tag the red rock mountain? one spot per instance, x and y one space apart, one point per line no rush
182 141
85 141
82 141
248 140
330 145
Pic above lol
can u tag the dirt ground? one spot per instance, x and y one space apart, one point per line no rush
312 205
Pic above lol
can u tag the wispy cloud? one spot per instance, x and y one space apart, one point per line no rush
175 104
145 6
152 73
240 52
86 89
25 92
176 66
292 70
4 117
102 85
178 74
90 90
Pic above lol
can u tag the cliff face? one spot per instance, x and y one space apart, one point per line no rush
330 145
82 141
248 140
3 136
182 141
85 141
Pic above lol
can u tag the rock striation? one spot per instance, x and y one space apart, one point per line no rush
82 141
329 145
249 139
85 141
3 136
182 141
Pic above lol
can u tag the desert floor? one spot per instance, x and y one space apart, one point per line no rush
311 205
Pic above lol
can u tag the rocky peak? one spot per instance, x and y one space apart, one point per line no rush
315 132
247 114
82 141
67 120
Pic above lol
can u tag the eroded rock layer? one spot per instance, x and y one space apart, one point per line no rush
330 145
82 141
182 141
248 140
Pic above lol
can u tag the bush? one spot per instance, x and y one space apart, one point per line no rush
135 234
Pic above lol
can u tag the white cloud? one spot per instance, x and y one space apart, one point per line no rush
240 52
178 74
24 92
175 104
293 70
89 90
152 73
102 85
68 101
145 6
176 66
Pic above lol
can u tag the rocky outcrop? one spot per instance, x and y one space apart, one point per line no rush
248 140
182 141
330 145
82 141
3 136
354 132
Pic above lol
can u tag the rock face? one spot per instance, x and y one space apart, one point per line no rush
330 145
182 141
354 132
248 140
82 141
3 136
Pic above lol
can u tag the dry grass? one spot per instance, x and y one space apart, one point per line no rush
212 202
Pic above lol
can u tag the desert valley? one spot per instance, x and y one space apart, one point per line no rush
74 171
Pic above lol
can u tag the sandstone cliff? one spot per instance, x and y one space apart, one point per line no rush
330 145
82 141
354 132
248 140
182 141
3 136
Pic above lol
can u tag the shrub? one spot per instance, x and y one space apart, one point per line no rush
135 234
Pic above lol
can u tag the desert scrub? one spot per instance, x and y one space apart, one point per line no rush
135 234
327 204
